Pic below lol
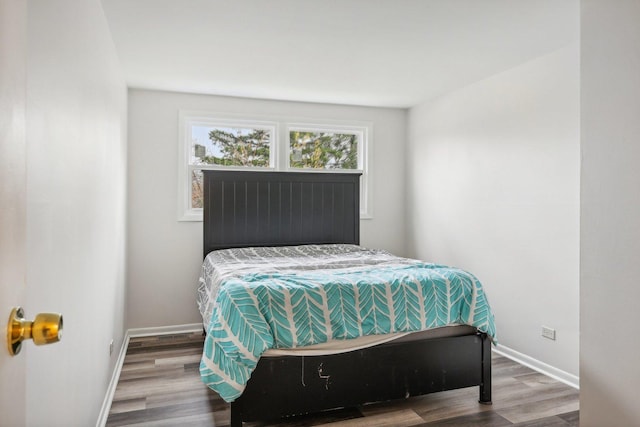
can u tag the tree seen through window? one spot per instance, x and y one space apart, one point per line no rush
323 150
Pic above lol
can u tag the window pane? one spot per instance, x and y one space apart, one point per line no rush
323 150
196 189
230 146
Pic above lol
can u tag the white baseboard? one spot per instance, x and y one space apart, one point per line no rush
131 333
111 389
536 365
165 330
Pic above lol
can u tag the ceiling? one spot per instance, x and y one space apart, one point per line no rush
391 53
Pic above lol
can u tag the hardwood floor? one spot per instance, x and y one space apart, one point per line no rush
160 386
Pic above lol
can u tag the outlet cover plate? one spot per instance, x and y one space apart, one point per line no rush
549 333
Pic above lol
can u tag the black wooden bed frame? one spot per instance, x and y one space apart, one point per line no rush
293 208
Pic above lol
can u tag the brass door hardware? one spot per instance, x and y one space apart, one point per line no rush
46 328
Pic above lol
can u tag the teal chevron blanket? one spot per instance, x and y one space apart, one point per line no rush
282 300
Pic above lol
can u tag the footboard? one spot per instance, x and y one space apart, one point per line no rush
290 385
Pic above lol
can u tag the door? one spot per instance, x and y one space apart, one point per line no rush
13 28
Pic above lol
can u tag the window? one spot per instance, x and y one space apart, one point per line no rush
325 149
212 143
226 142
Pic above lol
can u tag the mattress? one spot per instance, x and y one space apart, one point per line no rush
319 299
344 346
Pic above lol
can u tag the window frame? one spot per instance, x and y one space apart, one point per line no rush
279 153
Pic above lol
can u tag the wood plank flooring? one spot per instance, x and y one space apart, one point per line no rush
160 386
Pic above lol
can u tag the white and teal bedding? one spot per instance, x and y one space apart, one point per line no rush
255 299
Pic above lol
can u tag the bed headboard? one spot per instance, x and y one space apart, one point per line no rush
280 208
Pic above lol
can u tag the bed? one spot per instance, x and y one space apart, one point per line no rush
266 213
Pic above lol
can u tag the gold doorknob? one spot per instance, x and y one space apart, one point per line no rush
46 328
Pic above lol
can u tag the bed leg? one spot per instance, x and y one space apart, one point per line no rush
236 415
485 386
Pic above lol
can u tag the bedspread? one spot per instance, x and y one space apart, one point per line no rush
266 298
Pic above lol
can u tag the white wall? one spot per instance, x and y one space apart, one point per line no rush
164 255
76 171
610 213
493 187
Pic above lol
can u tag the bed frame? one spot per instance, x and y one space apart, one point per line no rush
293 208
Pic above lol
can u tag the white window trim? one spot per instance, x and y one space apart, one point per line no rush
279 151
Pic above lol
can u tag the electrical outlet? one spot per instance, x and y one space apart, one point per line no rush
111 348
549 333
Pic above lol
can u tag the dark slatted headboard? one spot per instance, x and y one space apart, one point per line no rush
280 208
